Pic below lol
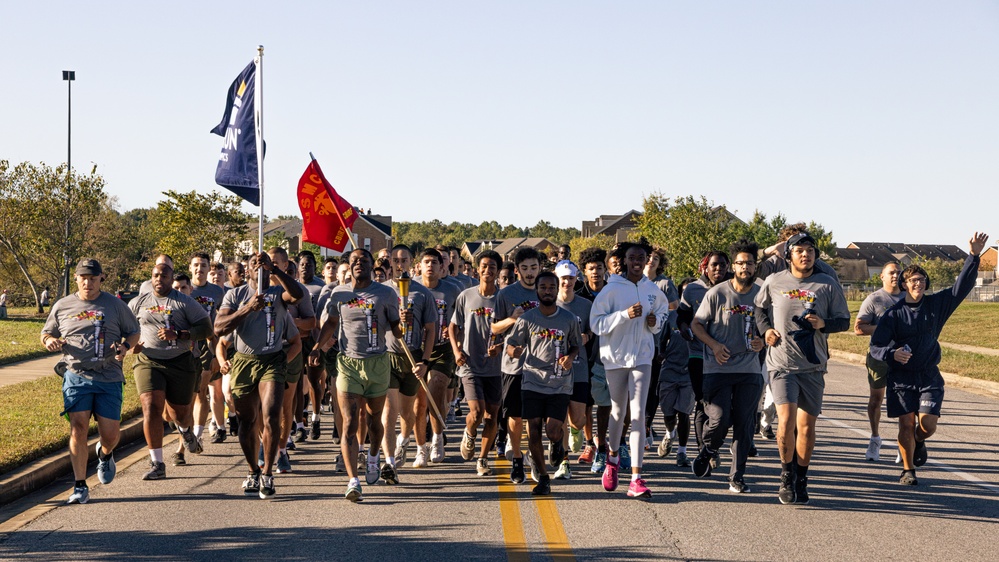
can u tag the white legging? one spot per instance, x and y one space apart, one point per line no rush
630 384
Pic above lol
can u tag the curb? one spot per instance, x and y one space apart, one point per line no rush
42 472
978 386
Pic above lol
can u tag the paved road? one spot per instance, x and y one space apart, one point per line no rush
858 511
29 370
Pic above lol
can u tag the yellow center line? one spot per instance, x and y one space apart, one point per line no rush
555 537
513 525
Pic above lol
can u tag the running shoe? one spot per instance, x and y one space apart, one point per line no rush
340 467
283 463
177 459
786 492
401 450
389 474
801 490
738 486
575 440
354 491
81 494
681 460
233 426
563 472
556 453
624 461
665 446
157 471
266 486
482 467
599 463
191 443
517 471
218 436
702 463
372 473
106 469
335 435
767 433
315 431
544 486
467 446
437 451
252 483
451 418
609 479
638 489
908 478
873 449
586 457
420 460
534 467
753 453
920 455
290 445
508 452
501 443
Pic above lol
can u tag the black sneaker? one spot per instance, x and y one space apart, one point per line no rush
544 486
919 456
752 451
389 474
501 438
177 459
314 432
157 471
801 490
218 436
233 425
517 472
767 433
557 453
290 444
266 486
738 486
786 492
908 478
191 443
702 464
252 483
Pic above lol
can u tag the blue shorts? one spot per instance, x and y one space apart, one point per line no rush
81 394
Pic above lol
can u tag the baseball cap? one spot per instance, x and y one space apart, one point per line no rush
798 240
88 266
566 268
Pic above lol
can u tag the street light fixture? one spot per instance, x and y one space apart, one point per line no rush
69 76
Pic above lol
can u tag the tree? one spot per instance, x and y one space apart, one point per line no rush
578 244
685 229
759 229
942 273
190 222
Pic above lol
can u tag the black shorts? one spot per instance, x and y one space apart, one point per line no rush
488 389
205 355
544 406
581 393
912 394
512 402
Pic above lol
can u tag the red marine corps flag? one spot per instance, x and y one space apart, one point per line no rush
326 217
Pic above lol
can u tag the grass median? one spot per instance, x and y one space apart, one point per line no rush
30 422
19 335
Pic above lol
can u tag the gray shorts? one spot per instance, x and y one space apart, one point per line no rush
598 386
676 398
802 388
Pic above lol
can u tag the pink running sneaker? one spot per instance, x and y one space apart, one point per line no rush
610 476
639 490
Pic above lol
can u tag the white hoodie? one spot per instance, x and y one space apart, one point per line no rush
627 342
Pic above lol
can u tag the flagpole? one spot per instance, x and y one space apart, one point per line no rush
258 120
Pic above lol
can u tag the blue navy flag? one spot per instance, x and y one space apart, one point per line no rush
237 169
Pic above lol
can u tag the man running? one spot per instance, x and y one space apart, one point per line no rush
476 353
259 367
594 453
796 310
873 307
907 339
208 400
725 323
547 339
93 330
579 420
627 314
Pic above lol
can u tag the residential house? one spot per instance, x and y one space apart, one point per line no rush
506 247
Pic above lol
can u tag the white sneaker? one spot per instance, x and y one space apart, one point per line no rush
421 457
874 449
563 472
437 450
373 473
401 445
508 452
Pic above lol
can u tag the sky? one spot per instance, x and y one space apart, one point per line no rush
877 119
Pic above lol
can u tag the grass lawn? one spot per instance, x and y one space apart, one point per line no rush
30 422
19 335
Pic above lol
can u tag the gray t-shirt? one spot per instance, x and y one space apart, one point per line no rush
88 329
366 316
315 286
666 285
445 295
580 308
875 305
729 318
475 314
175 311
693 294
209 296
782 296
545 340
510 297
261 331
421 304
465 280
675 358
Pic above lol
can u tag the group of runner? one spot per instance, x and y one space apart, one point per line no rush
582 352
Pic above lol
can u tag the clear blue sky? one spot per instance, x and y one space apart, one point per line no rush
877 119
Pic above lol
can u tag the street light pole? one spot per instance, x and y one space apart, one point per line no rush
69 76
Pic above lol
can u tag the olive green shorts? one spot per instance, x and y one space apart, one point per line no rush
442 361
178 378
248 371
367 377
402 377
295 367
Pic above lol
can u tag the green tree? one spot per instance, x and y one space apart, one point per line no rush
190 222
578 244
685 228
942 273
759 229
